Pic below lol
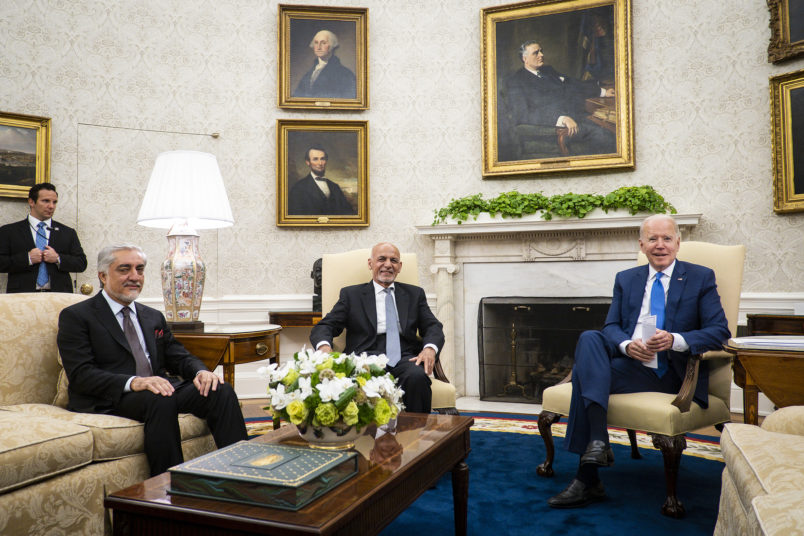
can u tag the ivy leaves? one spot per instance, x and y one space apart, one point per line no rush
515 204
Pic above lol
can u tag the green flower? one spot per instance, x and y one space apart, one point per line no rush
350 413
290 377
297 412
328 364
382 412
326 413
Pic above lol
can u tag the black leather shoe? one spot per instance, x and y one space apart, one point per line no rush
577 495
598 453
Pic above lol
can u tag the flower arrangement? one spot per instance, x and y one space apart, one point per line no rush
333 390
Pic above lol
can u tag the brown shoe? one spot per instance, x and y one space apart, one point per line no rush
578 494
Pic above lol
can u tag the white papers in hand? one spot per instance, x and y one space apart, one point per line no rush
648 331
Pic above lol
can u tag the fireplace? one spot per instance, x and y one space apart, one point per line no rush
568 259
527 344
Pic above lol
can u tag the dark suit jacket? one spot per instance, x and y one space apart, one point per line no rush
15 243
693 310
335 81
98 360
356 311
542 100
306 198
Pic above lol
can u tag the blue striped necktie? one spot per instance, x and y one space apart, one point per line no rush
41 243
657 309
392 347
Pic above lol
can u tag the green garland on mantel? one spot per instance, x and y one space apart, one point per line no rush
635 199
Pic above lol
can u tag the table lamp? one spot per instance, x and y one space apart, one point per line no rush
185 193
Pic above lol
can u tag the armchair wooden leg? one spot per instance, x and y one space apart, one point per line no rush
671 447
546 421
634 449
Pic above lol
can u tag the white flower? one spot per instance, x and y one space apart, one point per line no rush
331 390
278 399
305 387
267 372
363 361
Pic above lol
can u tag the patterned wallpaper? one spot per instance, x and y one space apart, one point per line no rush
125 80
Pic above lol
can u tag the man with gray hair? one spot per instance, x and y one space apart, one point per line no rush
327 78
660 314
121 358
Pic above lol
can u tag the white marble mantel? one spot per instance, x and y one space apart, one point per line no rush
508 257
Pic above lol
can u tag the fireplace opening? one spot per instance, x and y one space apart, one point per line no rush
527 344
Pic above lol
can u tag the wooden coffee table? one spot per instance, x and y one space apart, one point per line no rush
394 470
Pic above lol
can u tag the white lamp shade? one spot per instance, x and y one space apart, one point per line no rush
187 187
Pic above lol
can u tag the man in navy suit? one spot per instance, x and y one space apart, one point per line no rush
685 308
539 95
59 254
121 358
361 310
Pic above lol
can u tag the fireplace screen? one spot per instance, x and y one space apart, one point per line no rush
527 344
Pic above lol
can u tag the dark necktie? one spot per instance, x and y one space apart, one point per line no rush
392 347
41 243
143 365
657 309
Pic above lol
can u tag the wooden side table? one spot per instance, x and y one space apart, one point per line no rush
295 319
778 373
230 348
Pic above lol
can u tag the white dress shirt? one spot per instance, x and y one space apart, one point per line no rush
679 344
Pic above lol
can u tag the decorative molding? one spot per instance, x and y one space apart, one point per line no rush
487 226
566 248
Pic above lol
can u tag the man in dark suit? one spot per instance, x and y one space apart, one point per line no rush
39 253
315 194
121 358
363 310
538 95
660 314
327 78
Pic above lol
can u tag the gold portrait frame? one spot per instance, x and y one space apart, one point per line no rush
506 144
298 25
26 133
345 144
782 44
787 116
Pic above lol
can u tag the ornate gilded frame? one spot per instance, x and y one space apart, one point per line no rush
24 139
787 115
346 145
504 28
782 44
297 27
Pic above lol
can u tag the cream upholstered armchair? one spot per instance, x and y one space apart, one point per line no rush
666 417
339 270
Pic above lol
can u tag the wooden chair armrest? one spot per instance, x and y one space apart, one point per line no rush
438 372
683 399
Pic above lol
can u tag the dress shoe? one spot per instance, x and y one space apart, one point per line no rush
598 453
578 494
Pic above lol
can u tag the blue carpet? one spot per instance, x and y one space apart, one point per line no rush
507 498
